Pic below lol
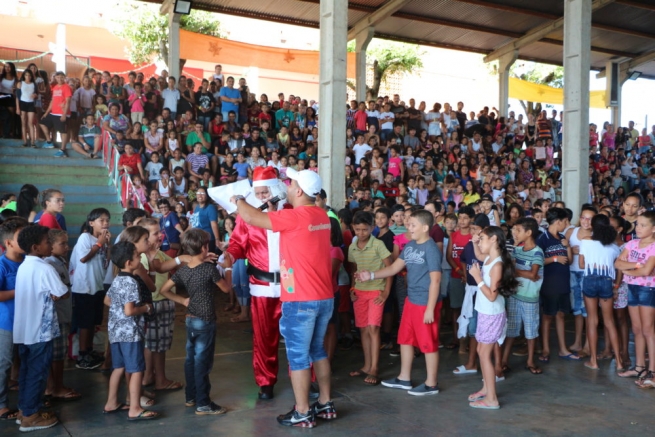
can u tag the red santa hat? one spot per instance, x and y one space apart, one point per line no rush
264 177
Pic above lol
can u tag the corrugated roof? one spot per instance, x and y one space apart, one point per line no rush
622 29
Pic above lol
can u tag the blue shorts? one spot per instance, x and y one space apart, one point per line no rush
335 308
128 356
551 304
598 286
577 302
639 295
473 324
303 326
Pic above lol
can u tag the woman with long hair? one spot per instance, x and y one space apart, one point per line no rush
27 200
27 106
8 81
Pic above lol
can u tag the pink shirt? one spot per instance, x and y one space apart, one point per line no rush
640 255
394 166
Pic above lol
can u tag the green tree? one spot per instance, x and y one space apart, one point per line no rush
541 74
147 30
389 58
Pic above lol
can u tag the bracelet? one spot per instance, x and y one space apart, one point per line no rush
554 259
639 265
372 276
480 284
177 260
228 269
99 245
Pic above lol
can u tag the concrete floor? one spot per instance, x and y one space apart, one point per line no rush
567 399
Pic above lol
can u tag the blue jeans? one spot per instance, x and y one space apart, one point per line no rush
200 342
35 360
640 295
303 326
205 118
598 286
577 302
240 282
384 135
6 356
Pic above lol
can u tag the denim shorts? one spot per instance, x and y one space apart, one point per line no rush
303 326
598 286
473 324
128 356
639 295
577 302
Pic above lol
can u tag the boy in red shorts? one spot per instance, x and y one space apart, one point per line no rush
419 326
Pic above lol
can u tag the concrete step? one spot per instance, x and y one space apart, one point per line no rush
50 160
47 169
90 190
9 175
84 208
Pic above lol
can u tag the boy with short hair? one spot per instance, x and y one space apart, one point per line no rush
398 219
126 331
368 253
200 280
38 286
419 326
523 307
9 263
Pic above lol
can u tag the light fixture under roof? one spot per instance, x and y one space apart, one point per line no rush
182 7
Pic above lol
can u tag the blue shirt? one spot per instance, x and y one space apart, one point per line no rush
556 276
241 168
8 270
232 93
172 235
202 218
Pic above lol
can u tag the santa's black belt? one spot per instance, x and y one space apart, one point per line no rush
271 277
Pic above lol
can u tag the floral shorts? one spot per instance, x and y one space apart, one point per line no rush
622 300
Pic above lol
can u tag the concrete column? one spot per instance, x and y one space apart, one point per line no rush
332 100
505 62
59 48
173 60
577 44
362 40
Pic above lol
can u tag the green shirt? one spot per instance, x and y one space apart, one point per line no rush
370 258
193 138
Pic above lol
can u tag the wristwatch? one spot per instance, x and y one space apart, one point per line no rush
237 198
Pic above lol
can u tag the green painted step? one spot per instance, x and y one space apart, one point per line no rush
71 178
24 169
85 208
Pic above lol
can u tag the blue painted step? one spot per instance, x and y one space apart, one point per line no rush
91 190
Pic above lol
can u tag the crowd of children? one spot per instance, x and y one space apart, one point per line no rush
448 216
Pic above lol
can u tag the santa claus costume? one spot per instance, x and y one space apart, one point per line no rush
262 250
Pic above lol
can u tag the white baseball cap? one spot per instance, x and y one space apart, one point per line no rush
308 181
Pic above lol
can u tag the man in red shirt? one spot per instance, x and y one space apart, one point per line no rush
305 292
56 116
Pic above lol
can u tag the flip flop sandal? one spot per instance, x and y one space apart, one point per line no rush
482 406
70 396
544 359
476 397
637 373
570 357
174 385
372 380
144 415
357 373
121 407
462 370
506 369
534 370
9 415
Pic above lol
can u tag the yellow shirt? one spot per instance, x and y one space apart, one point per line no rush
369 258
160 278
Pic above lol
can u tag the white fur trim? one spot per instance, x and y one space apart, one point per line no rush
272 290
273 251
265 183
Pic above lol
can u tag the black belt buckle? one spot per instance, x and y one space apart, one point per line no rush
276 277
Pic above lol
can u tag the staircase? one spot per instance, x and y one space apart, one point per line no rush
84 182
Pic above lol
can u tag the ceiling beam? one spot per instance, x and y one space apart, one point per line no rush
537 33
636 4
376 17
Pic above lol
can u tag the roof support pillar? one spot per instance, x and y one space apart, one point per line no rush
173 61
577 41
362 39
332 99
622 77
505 62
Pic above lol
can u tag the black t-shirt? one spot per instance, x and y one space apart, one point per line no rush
258 143
387 239
200 283
184 105
205 100
556 275
149 106
413 123
229 169
467 257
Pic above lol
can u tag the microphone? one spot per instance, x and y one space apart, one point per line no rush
274 201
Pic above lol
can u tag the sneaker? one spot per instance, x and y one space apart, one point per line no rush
19 418
395 352
424 390
294 418
88 362
38 420
48 145
324 411
397 383
61 154
211 409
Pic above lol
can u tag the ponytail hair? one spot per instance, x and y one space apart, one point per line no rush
602 230
507 284
25 202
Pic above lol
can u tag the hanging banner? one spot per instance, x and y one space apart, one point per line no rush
524 90
218 50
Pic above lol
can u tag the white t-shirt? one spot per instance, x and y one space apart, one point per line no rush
153 169
35 319
360 151
388 124
170 99
375 113
87 278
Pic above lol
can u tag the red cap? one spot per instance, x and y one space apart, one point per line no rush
264 177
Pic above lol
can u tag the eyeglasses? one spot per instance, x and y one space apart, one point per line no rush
59 200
